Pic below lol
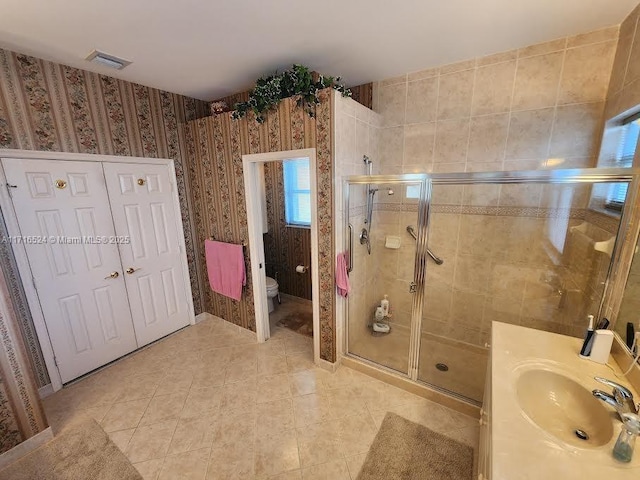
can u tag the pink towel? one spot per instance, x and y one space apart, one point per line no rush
225 266
342 277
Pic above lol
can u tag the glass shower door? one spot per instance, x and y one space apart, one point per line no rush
381 216
534 254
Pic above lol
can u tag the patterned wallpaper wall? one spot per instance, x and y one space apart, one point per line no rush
216 145
21 413
52 107
285 247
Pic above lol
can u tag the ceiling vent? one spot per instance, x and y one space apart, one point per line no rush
107 60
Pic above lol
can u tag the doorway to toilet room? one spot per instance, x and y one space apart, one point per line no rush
282 216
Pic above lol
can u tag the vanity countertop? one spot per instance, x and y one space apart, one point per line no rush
522 450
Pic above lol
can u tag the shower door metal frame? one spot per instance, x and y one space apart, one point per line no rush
419 263
428 180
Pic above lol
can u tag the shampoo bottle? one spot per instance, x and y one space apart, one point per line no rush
384 303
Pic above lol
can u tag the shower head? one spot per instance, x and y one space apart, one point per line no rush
366 160
389 191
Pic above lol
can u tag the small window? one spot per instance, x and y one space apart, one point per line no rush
624 159
297 192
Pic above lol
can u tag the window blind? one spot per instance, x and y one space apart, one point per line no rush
297 192
624 159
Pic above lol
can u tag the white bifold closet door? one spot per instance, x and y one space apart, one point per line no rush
64 217
142 204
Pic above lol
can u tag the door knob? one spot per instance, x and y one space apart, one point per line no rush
130 270
112 275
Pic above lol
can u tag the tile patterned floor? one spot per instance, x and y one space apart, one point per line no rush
210 403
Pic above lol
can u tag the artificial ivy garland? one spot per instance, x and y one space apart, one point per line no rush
298 80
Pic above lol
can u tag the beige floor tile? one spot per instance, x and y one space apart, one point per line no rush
175 383
356 434
273 417
239 395
231 463
163 407
121 438
317 451
150 468
192 434
346 402
201 402
466 435
327 430
276 454
151 442
273 387
354 464
291 475
240 372
232 428
335 470
208 376
271 348
313 408
137 387
299 363
307 382
185 466
124 415
270 365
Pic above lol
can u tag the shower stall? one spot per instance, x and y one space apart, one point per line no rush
453 252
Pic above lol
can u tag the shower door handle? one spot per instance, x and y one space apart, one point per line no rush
350 268
413 287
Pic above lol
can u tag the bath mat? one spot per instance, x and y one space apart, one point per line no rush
404 450
81 452
301 322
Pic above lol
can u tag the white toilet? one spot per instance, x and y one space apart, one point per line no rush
272 292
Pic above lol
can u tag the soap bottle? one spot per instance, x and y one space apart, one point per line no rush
623 449
384 303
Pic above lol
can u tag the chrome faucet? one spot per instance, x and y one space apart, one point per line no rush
621 398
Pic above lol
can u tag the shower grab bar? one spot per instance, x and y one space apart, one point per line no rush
436 259
350 267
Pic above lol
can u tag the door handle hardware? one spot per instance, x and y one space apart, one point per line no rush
141 181
130 270
60 184
112 275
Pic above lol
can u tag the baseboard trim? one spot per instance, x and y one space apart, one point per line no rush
20 450
328 366
45 391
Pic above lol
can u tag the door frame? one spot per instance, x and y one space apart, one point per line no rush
20 253
256 244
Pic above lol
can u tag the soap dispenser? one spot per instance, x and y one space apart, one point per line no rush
623 449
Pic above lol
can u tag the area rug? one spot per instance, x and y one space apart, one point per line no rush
301 322
404 450
82 451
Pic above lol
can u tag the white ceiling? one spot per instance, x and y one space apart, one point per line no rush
211 48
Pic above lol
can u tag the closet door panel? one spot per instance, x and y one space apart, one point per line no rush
142 202
66 227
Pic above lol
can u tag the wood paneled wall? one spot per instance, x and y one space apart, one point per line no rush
285 247
216 145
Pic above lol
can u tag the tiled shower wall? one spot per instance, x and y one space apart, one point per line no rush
538 107
356 134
